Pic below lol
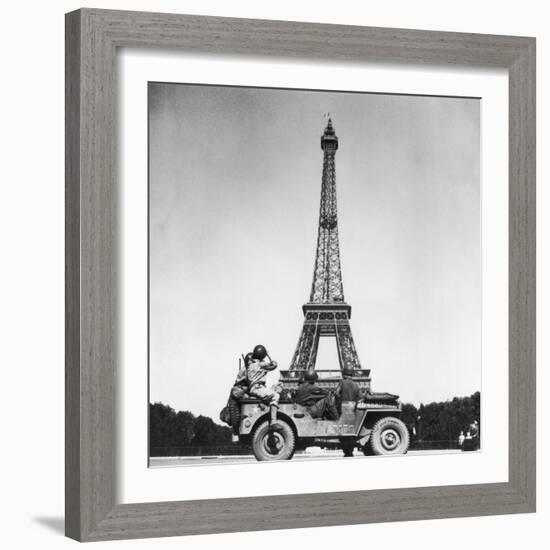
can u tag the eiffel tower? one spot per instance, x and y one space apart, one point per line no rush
327 314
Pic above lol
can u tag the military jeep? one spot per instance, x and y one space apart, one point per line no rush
372 425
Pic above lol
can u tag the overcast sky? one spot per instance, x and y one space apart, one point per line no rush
235 180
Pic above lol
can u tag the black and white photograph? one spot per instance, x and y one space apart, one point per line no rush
314 274
270 274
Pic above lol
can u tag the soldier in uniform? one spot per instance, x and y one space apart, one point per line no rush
320 402
258 368
348 393
348 390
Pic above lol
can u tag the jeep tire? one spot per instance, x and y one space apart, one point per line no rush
389 437
275 442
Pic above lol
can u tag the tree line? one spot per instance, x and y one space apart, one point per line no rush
171 433
182 433
442 421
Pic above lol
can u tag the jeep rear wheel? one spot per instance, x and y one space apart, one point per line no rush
389 437
273 443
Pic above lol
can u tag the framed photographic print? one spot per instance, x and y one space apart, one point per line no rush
236 189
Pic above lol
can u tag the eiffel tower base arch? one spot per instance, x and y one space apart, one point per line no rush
326 320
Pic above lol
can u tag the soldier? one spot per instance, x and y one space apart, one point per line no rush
348 390
320 402
348 393
258 368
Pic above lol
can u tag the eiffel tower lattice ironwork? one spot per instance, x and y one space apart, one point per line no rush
327 313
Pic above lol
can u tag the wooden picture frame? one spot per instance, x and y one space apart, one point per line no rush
92 38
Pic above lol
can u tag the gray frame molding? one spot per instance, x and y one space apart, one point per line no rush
92 37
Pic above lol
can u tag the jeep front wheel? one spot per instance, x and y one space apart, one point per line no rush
389 437
275 442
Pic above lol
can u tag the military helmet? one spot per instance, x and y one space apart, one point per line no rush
311 376
347 371
259 352
248 359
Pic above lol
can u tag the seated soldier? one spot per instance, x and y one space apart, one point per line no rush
257 370
320 402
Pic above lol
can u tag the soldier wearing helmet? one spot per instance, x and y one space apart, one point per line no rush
308 393
320 402
258 368
348 390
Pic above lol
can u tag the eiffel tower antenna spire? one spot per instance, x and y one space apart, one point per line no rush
327 313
